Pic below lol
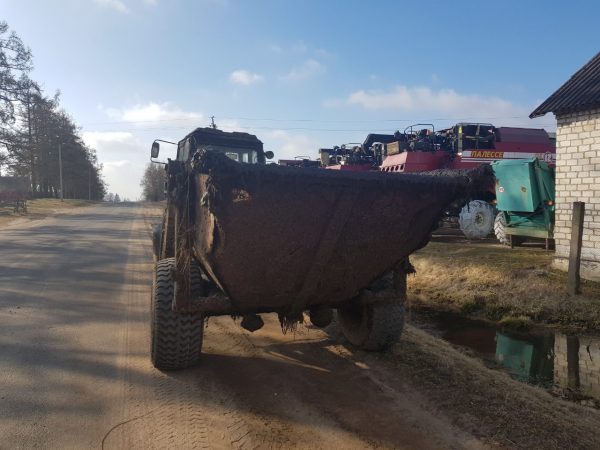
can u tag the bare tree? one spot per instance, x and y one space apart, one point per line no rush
15 65
32 127
153 183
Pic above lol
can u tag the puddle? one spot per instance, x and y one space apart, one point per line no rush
567 365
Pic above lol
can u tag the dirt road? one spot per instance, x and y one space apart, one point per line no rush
75 372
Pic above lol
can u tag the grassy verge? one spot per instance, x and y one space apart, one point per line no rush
40 208
42 205
497 283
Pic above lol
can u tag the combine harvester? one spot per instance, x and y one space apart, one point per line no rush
240 237
420 148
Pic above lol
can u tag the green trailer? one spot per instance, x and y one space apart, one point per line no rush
525 200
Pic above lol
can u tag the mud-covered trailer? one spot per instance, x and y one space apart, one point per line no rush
243 239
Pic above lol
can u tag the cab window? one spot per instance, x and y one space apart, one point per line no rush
232 155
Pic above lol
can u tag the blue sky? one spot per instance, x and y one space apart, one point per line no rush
298 74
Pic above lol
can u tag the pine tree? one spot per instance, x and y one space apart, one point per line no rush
153 183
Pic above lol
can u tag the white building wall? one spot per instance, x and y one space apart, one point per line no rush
578 179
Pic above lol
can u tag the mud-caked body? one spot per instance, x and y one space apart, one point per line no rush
267 238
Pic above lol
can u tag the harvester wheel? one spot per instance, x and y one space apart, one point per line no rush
176 337
476 219
372 326
500 228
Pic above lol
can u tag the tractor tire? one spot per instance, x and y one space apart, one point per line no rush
176 338
500 228
476 219
500 232
372 326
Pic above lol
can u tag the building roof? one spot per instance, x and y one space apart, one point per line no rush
581 91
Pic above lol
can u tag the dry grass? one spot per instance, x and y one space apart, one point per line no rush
496 282
488 403
40 208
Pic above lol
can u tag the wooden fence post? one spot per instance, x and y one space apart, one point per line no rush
573 279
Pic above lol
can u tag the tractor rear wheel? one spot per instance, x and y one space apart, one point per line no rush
176 337
372 326
476 219
500 228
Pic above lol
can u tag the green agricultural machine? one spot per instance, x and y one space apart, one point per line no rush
525 200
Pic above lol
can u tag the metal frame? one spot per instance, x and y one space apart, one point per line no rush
166 142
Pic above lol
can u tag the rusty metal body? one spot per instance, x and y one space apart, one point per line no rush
285 240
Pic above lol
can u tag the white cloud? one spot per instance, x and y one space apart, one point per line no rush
123 177
116 5
244 77
96 138
125 154
123 158
403 98
228 125
288 145
120 163
152 112
275 48
309 69
441 104
121 6
300 47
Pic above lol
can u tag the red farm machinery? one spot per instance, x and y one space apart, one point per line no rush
422 148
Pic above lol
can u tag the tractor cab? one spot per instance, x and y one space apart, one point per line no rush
472 136
241 147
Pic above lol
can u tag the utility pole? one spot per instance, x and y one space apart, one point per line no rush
573 278
90 182
60 171
30 143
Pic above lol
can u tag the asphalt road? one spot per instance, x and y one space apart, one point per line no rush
75 371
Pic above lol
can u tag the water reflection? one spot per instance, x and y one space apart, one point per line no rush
577 364
527 358
568 364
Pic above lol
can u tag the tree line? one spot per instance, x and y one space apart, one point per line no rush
34 129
